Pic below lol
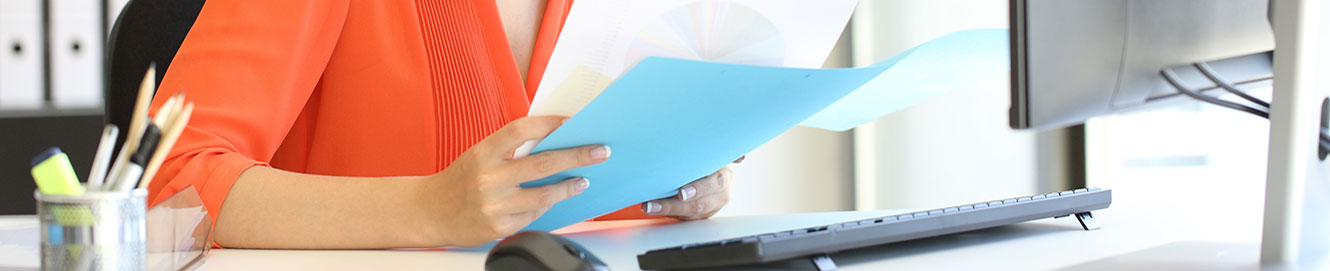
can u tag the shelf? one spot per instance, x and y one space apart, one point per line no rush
49 110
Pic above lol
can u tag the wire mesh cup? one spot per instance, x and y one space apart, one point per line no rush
93 231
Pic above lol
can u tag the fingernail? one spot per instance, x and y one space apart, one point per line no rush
582 184
687 193
600 152
650 207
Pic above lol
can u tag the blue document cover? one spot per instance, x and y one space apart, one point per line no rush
672 121
960 60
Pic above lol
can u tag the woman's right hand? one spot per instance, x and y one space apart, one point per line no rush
477 198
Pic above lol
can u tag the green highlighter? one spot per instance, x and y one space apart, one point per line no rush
54 174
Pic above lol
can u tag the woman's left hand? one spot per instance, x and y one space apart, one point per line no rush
700 199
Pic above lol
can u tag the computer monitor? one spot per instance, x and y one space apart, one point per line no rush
1077 59
1072 60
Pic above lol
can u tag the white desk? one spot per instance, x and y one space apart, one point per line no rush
1136 234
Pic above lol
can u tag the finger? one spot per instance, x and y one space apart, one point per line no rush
688 210
715 183
537 198
548 163
524 129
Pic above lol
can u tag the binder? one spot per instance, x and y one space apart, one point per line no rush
75 45
22 75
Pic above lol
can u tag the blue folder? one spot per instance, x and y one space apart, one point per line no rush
672 121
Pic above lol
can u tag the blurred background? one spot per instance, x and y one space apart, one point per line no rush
954 149
958 147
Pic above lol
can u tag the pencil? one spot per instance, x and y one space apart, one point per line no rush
177 126
164 113
137 123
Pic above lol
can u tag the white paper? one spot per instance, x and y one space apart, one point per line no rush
602 39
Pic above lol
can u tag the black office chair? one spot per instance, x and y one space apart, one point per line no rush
146 32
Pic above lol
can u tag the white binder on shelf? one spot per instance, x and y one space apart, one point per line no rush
76 53
22 76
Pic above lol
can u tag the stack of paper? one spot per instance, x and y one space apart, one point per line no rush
601 39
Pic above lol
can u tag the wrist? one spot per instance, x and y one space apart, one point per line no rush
429 210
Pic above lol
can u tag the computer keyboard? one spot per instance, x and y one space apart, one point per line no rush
816 242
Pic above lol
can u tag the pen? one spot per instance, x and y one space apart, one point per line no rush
102 158
133 170
54 175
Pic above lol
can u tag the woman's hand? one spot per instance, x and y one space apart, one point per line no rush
700 199
477 197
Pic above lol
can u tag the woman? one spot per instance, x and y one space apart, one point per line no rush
376 124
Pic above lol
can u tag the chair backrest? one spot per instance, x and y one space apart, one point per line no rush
146 32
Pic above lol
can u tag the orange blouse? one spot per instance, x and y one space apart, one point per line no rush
342 88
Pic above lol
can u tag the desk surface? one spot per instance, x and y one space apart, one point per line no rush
1038 245
1136 234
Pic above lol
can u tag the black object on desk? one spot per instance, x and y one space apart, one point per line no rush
816 242
538 250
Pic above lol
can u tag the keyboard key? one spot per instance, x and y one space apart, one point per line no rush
935 212
665 249
1037 197
700 245
920 214
980 206
995 203
1064 193
1050 195
1022 199
1005 201
966 207
1096 189
951 210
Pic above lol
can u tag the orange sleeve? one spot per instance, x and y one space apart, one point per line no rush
249 67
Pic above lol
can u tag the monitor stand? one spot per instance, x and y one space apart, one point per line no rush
1296 227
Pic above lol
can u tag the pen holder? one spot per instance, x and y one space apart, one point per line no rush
93 231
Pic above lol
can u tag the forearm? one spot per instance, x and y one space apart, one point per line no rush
271 208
